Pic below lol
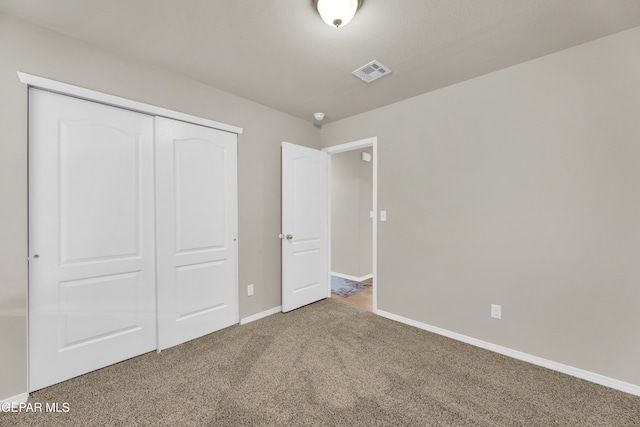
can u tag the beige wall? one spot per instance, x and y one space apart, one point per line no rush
351 201
519 188
365 248
41 52
345 212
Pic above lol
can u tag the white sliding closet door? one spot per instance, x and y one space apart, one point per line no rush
91 237
196 217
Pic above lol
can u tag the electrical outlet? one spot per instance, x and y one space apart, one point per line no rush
496 311
250 290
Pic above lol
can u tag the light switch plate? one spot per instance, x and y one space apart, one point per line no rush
383 215
496 311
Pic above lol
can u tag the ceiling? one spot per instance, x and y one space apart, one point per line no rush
281 54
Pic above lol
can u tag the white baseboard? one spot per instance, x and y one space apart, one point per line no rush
20 398
545 363
265 313
357 279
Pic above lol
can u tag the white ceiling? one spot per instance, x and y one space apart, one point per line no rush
281 54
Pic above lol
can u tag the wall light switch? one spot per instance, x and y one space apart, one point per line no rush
371 214
250 289
383 215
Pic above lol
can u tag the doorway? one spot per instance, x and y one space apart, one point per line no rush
306 222
353 222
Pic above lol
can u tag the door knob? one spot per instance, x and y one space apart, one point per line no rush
289 237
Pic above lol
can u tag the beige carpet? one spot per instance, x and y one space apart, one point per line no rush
329 364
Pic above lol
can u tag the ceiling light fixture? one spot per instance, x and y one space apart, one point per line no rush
337 13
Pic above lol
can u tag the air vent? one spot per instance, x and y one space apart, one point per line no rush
371 71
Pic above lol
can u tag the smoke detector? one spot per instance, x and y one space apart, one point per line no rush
371 71
318 116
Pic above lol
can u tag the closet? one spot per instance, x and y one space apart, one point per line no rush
132 234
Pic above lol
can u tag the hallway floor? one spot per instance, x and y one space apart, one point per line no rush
362 300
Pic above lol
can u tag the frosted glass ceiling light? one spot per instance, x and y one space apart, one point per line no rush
337 13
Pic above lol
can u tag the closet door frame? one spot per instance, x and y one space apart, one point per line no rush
42 83
116 101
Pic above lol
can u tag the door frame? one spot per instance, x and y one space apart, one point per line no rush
350 146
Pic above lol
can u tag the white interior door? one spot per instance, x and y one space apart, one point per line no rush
91 237
304 226
196 230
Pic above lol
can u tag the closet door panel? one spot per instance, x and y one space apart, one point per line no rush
196 231
199 179
91 237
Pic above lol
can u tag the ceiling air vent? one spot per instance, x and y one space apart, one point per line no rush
372 71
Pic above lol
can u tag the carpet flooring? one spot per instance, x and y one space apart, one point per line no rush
328 364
